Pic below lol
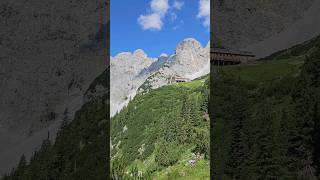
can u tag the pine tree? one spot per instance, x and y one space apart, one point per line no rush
118 169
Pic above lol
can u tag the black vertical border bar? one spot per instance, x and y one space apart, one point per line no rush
211 84
107 42
104 22
108 69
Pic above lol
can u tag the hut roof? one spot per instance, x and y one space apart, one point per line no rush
180 78
229 51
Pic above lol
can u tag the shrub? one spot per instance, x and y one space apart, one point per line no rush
167 154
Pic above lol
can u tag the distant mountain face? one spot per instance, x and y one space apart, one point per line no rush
43 60
237 24
128 72
50 52
132 73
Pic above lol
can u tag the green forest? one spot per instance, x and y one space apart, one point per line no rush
163 134
265 117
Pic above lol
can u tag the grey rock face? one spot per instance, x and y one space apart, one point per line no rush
128 72
43 59
50 51
191 60
237 24
303 29
136 73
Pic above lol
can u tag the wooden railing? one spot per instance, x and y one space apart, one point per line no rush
231 58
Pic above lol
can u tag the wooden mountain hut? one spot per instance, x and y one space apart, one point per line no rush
228 57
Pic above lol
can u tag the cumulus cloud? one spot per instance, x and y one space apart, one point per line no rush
204 12
151 21
178 5
159 6
154 20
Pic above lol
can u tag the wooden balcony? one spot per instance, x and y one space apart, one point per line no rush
228 57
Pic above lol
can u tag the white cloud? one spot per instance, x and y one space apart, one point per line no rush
178 5
151 22
159 6
154 20
204 12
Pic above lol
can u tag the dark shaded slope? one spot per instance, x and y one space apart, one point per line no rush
298 50
81 147
267 128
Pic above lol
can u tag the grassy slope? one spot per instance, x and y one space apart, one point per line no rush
264 71
181 170
142 119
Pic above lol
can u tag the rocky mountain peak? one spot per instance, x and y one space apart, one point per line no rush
163 55
187 45
140 54
122 55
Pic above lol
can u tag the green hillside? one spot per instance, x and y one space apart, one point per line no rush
264 71
158 134
265 117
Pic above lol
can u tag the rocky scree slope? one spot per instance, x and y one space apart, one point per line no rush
237 24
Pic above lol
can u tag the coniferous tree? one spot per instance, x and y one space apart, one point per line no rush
22 167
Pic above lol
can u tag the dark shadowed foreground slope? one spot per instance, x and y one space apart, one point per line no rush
266 117
81 147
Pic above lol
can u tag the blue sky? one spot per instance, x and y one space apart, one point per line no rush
157 26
